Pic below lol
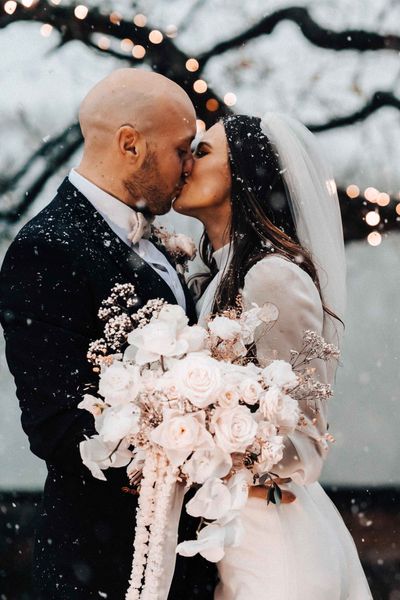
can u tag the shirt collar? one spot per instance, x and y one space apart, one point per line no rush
223 256
113 210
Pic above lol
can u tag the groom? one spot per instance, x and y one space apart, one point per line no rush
137 128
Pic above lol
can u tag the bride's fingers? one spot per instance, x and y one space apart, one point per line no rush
287 497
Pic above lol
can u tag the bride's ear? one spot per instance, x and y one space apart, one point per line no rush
132 145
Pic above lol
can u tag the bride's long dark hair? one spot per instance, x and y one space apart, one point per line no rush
261 222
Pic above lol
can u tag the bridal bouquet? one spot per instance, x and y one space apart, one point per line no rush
188 404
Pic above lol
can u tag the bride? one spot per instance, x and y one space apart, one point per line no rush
272 231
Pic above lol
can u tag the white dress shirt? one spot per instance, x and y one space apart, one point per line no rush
117 216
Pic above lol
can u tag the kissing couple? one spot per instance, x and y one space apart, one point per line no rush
273 233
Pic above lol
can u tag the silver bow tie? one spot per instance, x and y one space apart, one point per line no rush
140 227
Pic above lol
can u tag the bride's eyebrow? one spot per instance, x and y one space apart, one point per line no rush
201 144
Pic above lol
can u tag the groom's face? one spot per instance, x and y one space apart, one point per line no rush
167 163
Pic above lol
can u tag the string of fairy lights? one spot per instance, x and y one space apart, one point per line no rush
371 195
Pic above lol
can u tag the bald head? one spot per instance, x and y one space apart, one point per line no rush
137 127
131 96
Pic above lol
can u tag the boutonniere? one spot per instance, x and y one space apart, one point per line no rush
181 247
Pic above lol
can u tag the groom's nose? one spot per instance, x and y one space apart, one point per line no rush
188 164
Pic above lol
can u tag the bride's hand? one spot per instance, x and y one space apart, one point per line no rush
260 491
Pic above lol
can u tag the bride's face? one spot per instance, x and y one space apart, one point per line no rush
208 187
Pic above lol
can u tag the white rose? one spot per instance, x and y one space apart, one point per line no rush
250 391
211 501
195 336
154 340
207 464
234 428
271 454
174 315
119 383
178 243
229 396
279 408
186 244
280 373
181 434
198 379
224 328
117 422
266 429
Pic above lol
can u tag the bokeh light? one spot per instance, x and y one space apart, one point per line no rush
192 65
200 86
230 99
81 11
138 51
372 218
353 191
374 238
156 37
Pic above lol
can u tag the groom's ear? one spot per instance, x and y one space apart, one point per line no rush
131 144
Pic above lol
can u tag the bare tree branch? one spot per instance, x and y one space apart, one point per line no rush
55 152
350 39
165 58
378 100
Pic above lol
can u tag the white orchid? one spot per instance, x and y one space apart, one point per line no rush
211 501
98 455
158 338
117 422
208 463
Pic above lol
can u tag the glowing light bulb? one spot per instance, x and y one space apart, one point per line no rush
81 11
383 199
138 51
353 191
140 20
374 238
126 45
9 7
104 43
372 218
171 31
192 65
46 30
212 105
115 18
200 125
230 99
371 194
156 37
200 86
398 208
27 3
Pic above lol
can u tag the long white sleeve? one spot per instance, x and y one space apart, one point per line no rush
277 280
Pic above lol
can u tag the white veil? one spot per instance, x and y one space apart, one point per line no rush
315 208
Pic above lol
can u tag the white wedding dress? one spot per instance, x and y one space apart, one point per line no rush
303 550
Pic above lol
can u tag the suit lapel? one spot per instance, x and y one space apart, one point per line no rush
190 306
101 236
